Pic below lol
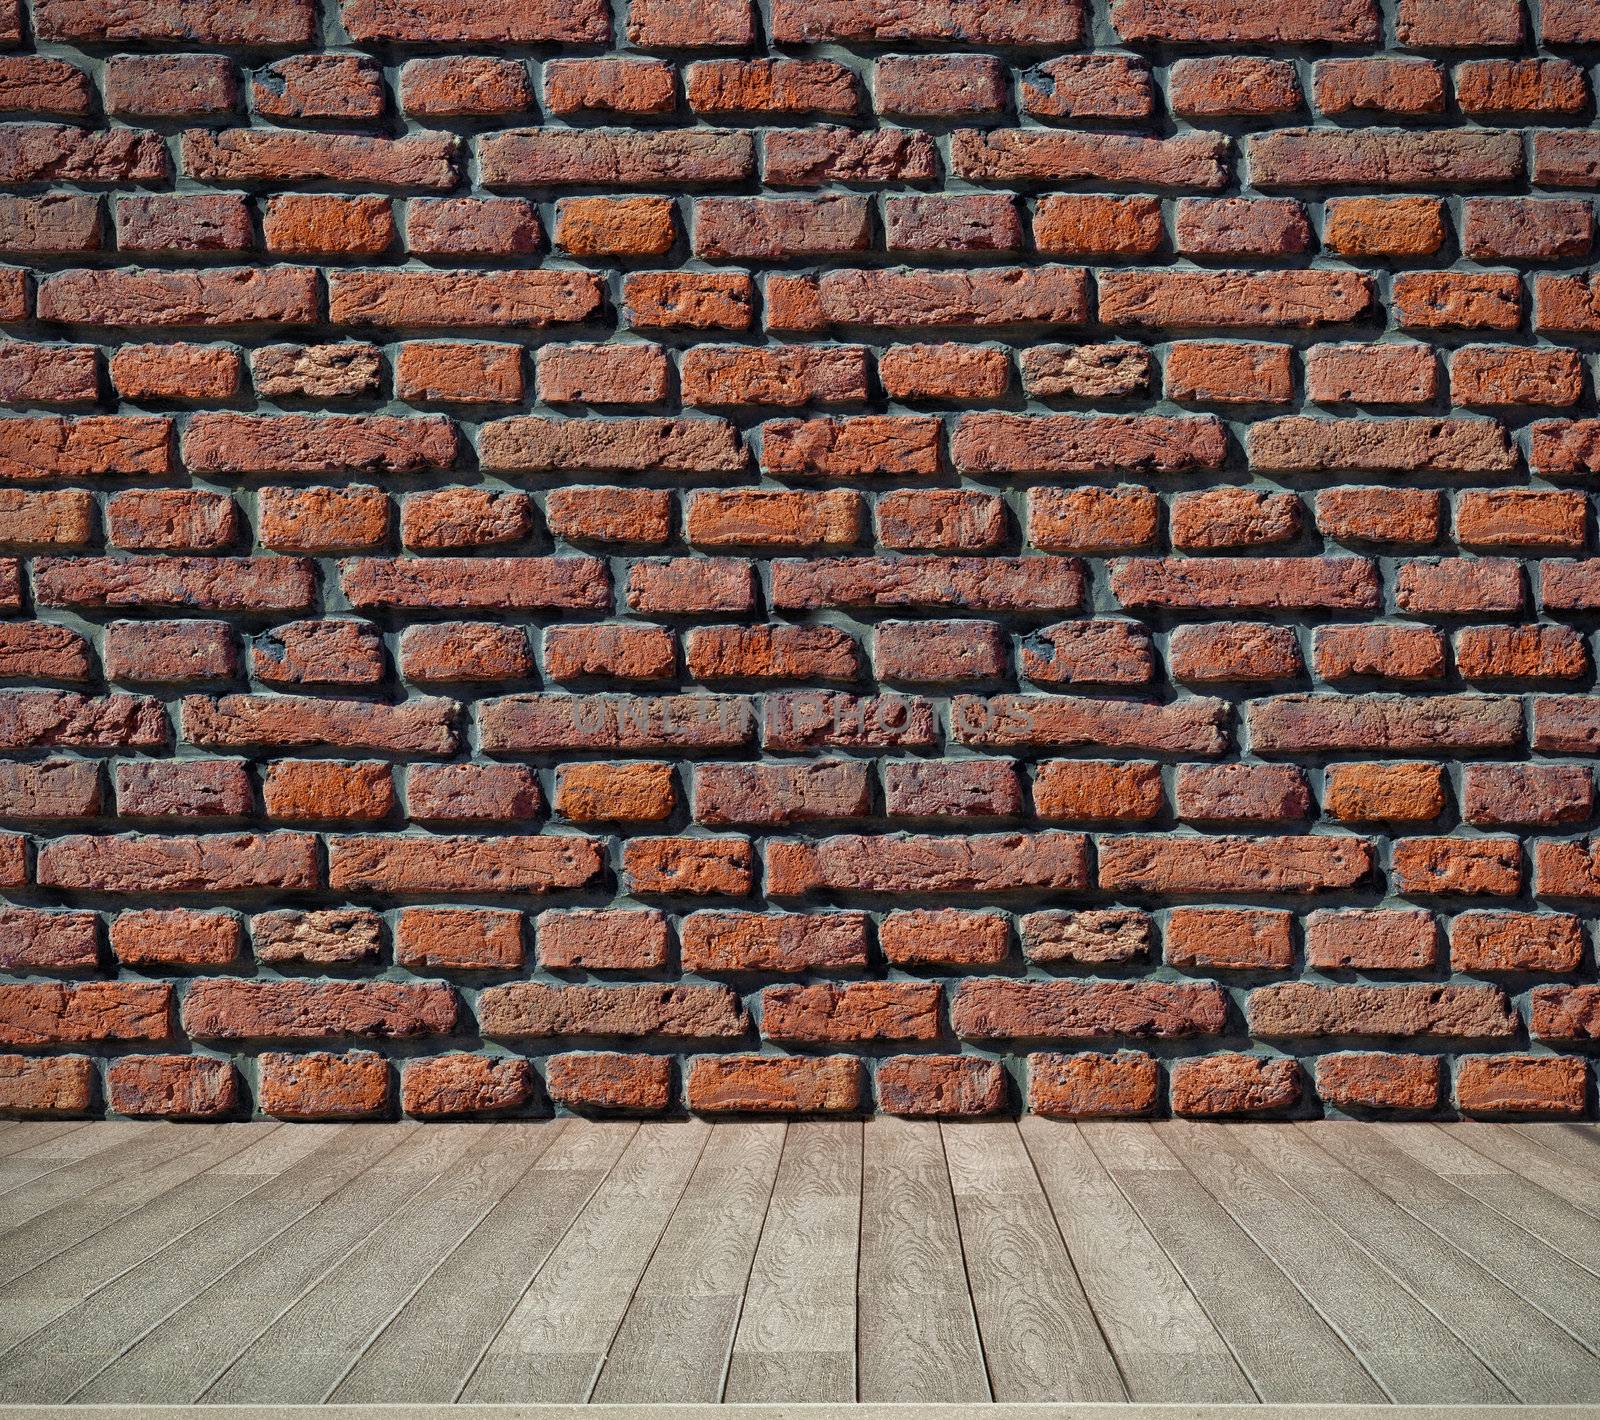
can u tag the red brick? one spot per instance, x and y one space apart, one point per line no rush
941 1086
1187 160
1098 226
1495 795
927 864
1245 582
323 1085
531 864
760 1084
600 374
1242 793
994 1008
609 515
1383 157
603 940
489 22
939 86
1302 1009
608 1082
943 937
1500 1085
44 1014
1089 86
678 24
1489 375
1387 85
1229 939
1099 937
622 652
464 517
306 225
1233 88
1368 1080
1485 943
1089 653
1234 1084
1093 1086
1233 517
719 942
172 1086
1089 790
978 22
445 1086
53 1085
1371 939
1396 373
472 793
1242 299
170 85
230 1009
1532 86
1379 515
1395 793
533 1010
465 86
615 793
428 939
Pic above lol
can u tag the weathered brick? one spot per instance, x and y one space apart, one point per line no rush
322 1085
1001 862
1301 1009
721 942
172 1086
46 1086
764 1084
941 1086
1229 939
601 940
445 1086
1091 1085
1496 1086
430 939
1234 1084
610 1082
1359 1080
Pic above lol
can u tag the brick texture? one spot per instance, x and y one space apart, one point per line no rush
941 558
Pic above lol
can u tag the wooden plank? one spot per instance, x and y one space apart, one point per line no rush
676 1336
1538 1361
1558 1224
796 1341
552 1346
1041 1341
1526 1157
428 1351
1166 1347
1287 1350
918 1333
1554 1284
17 1135
308 1349
68 1279
272 1252
1404 1346
69 1221
39 1154
48 1182
1577 1143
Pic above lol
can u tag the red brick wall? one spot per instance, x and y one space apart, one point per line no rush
943 556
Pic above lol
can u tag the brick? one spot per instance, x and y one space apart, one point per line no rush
1098 226
671 300
204 373
1088 790
616 157
601 374
1496 795
765 653
1408 445
172 1087
57 152
954 789
1489 375
464 517
821 790
493 22
1487 943
1089 653
442 864
683 866
614 722
1395 724
1300 1009
713 943
1241 227
1193 726
598 793
623 652
464 86
311 790
1384 226
532 1010
1452 300
1291 863
1476 866
1093 938
1453 24
943 937
319 86
1560 1013
1089 86
322 519
1497 1086
45 1014
938 85
1001 862
1185 161
944 372
1009 22
1240 22
315 225
757 1084
428 939
201 788
941 1086
472 227
1490 653
432 300
1120 519
856 1011
676 24
172 652
610 1082
232 155
870 445
226 296
1242 793
967 222
1414 653
770 86
1399 373
1396 793
1221 299
1357 1081
993 1008
1371 939
33 84
1233 88
1383 157
1458 586
453 1086
323 1085
44 1087
49 789
1386 85
595 940
170 85
55 223
1234 1084
258 584
1242 582
1533 86
48 942
1124 1085
469 793
1229 939
236 1009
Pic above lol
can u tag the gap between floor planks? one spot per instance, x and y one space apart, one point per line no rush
809 1262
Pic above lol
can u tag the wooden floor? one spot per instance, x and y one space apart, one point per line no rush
810 1262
